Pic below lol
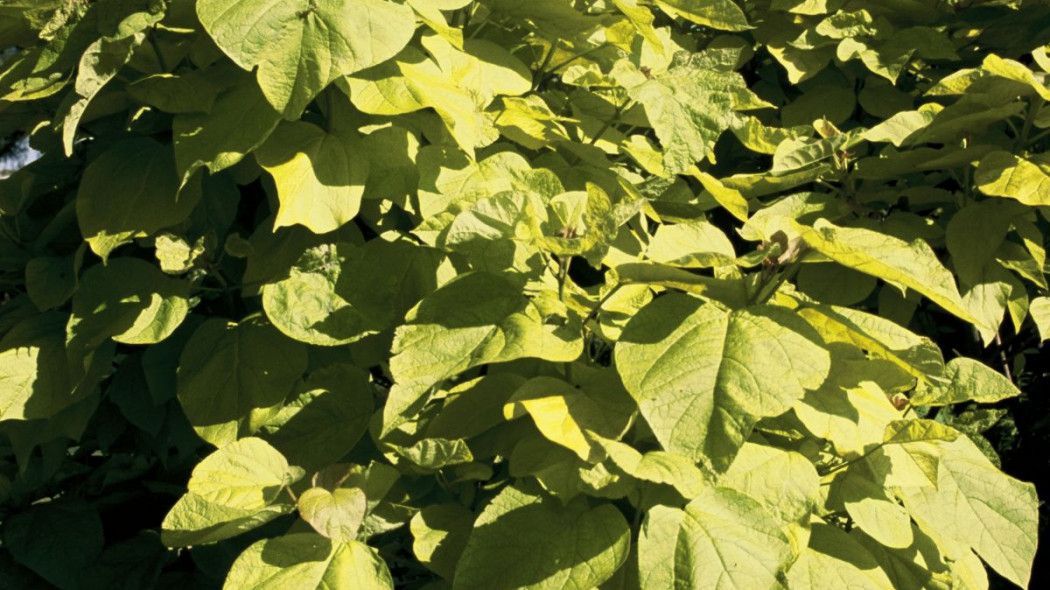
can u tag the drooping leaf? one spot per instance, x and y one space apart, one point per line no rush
905 265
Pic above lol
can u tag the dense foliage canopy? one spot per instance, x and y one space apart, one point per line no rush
520 294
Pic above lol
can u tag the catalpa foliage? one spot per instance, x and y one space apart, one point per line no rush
519 295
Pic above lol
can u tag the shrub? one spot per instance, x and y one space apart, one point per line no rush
626 294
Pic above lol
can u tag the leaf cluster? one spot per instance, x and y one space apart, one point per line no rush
492 294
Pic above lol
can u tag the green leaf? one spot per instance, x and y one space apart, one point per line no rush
904 265
1039 309
34 380
234 489
137 561
57 540
238 123
101 62
504 231
1002 174
194 92
247 473
525 541
691 245
1017 72
335 514
177 256
873 509
440 533
475 319
130 191
128 300
835 284
722 540
50 280
305 561
729 198
851 410
457 84
691 104
302 46
568 415
976 505
657 467
966 380
438 453
234 378
326 417
703 376
785 483
472 407
974 235
720 14
915 355
450 182
18 380
320 178
834 560
730 292
338 293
